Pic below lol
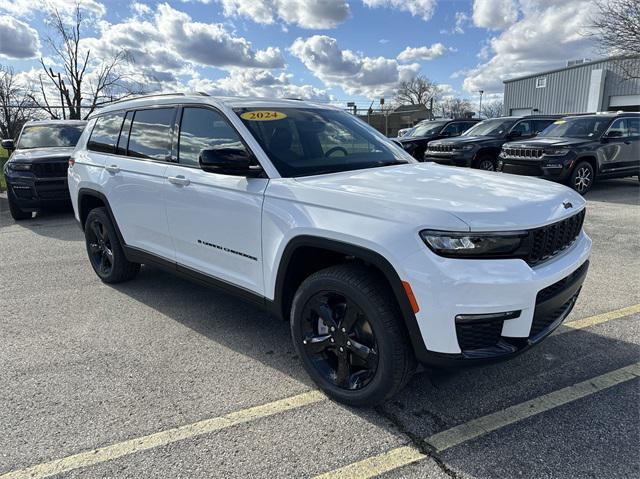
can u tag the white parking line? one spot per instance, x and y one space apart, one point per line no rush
402 456
131 446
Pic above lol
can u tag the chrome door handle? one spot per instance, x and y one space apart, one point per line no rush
113 169
179 180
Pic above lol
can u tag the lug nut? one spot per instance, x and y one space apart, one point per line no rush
332 328
341 349
332 340
344 330
304 341
348 343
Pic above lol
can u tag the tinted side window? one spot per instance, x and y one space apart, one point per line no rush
634 126
201 129
150 135
452 129
618 129
105 133
121 149
524 127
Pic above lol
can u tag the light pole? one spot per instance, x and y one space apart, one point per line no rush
480 107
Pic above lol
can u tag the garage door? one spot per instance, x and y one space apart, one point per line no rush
625 102
520 111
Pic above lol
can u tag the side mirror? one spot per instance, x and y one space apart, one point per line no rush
445 133
8 144
514 134
613 134
228 161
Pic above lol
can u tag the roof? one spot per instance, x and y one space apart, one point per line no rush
578 65
609 114
56 122
201 98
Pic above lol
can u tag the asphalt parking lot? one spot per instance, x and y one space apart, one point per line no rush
160 377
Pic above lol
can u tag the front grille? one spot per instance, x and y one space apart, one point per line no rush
550 240
478 335
441 148
522 152
56 169
543 322
551 291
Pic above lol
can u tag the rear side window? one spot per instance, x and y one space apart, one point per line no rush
150 135
524 127
634 126
105 133
539 125
201 129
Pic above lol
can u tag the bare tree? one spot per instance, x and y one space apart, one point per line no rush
16 107
417 91
456 108
493 109
616 27
84 81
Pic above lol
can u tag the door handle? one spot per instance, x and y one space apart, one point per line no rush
179 180
113 169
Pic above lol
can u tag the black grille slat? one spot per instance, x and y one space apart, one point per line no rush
478 335
550 240
56 169
523 152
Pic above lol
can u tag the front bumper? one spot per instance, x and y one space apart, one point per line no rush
31 192
542 297
454 158
551 168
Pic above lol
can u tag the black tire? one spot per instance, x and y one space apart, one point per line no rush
17 213
486 163
582 177
104 249
367 298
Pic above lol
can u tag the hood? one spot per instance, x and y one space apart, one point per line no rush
424 192
37 154
463 140
416 139
542 142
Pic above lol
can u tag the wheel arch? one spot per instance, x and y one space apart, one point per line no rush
294 268
89 199
589 159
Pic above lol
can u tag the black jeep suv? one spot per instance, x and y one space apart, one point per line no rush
480 146
36 171
577 150
415 141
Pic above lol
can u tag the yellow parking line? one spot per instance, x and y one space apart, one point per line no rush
131 446
475 428
602 318
376 465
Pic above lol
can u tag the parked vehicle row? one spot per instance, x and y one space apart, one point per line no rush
379 262
574 150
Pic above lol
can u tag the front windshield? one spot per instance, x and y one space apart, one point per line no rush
426 129
577 127
310 141
497 127
50 136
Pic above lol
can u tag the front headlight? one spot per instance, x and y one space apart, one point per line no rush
474 245
556 151
464 147
19 166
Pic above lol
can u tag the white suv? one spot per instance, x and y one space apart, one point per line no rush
377 261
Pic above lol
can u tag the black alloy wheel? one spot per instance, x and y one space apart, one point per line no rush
100 248
486 163
582 177
339 340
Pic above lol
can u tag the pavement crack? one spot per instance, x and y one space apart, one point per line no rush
416 441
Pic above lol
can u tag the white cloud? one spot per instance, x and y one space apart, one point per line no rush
494 14
140 8
25 8
17 39
260 83
423 53
418 8
548 34
356 74
303 13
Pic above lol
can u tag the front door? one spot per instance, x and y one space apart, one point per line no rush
621 152
214 219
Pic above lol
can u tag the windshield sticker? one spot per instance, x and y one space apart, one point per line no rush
263 115
560 122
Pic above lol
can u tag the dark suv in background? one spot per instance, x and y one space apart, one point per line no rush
36 171
577 150
415 141
480 146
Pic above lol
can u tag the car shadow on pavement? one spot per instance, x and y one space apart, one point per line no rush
437 400
51 223
621 191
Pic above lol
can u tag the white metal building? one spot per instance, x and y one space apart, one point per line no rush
581 87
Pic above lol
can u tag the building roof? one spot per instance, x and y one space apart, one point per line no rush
578 65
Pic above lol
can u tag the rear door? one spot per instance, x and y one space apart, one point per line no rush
214 219
135 177
621 147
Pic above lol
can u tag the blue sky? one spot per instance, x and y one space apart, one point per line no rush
331 50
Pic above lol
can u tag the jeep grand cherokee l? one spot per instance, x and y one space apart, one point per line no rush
578 150
36 171
479 146
377 261
415 141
